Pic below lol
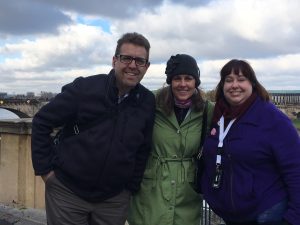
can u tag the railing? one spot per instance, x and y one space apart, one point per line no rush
209 217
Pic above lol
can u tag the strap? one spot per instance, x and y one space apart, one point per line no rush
75 129
204 124
203 129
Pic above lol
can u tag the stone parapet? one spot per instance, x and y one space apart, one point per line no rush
18 182
16 126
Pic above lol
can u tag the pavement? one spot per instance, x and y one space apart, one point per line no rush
13 214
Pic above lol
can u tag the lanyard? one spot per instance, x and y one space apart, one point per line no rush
222 135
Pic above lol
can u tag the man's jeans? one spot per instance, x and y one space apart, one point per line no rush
273 215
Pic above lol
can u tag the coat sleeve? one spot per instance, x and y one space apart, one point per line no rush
144 150
55 114
286 148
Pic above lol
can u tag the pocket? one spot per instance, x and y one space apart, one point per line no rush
150 177
122 197
243 188
79 158
149 173
152 166
148 180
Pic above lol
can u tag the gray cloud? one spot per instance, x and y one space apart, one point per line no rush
191 3
29 17
105 8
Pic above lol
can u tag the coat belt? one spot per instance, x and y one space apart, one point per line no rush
162 162
172 159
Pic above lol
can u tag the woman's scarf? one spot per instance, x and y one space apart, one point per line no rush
183 104
222 108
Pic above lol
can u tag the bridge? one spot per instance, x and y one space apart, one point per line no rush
24 108
287 101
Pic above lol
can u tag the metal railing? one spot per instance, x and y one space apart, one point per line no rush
209 217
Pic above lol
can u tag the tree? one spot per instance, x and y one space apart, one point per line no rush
210 95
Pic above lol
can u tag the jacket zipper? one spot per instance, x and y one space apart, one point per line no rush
108 151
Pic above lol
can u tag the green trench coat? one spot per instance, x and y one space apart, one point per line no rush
167 196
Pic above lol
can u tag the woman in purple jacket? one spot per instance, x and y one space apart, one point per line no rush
252 154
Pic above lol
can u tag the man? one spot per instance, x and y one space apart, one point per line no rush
104 144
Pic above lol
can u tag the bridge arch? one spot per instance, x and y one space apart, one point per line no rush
16 112
27 106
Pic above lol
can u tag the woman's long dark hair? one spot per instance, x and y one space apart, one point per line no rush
165 100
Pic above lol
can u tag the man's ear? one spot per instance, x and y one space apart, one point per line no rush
114 59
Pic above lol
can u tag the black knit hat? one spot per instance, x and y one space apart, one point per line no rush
182 64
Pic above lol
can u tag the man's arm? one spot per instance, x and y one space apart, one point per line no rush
144 151
54 114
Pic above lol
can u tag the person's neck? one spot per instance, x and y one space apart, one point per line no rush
123 90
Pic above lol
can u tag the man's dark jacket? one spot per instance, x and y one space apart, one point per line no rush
110 151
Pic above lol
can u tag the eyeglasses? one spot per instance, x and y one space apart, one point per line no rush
127 59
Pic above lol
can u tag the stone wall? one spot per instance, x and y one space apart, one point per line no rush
18 182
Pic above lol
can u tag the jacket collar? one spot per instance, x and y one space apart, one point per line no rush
134 94
252 115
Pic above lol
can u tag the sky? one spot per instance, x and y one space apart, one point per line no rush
46 44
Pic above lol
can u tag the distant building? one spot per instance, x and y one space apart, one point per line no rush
19 96
3 95
30 94
47 95
285 97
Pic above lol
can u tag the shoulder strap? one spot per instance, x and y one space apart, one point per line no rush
203 129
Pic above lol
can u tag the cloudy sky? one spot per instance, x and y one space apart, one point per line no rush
46 44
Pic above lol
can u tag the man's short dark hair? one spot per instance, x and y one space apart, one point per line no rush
133 38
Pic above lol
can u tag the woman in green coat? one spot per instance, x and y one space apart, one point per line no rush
167 194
